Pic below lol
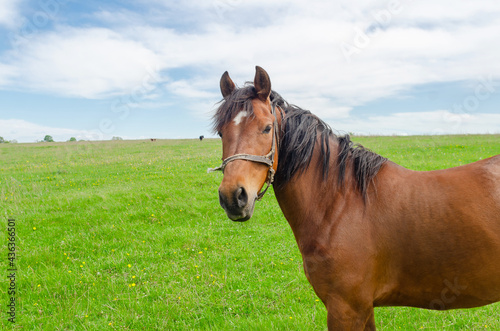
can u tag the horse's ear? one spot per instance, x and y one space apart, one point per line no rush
262 83
226 85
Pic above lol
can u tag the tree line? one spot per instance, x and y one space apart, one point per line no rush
47 139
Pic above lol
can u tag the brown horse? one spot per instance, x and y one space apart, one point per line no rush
371 232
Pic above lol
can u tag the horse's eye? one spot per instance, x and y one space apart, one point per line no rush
220 134
267 129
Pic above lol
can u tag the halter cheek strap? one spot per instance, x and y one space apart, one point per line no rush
267 159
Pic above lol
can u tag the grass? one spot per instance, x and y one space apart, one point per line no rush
130 235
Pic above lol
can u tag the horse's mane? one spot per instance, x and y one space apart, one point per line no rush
300 131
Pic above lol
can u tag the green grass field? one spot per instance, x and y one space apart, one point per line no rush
129 235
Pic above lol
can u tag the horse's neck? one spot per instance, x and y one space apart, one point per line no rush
315 207
313 204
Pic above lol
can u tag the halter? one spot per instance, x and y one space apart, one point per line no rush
267 159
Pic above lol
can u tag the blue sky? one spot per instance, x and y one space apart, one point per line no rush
144 69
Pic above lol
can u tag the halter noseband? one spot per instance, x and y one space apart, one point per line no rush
267 159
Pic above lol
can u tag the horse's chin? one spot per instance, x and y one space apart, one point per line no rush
239 219
244 215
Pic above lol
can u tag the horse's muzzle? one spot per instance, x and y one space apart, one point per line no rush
238 204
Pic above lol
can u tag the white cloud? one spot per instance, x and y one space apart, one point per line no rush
9 14
6 73
395 46
24 131
301 48
89 63
429 122
189 89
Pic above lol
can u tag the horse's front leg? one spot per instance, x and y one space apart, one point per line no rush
347 295
343 315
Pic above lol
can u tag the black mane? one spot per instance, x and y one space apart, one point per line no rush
300 131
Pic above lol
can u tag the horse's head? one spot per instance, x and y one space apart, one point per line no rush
247 124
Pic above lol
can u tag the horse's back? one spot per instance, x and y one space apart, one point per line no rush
493 167
441 233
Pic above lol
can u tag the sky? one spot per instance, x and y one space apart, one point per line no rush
141 69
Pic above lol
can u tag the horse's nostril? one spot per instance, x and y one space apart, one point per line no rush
241 197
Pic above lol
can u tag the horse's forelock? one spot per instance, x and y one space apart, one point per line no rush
240 99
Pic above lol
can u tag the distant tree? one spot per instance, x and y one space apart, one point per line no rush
2 140
48 139
72 139
117 138
14 141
